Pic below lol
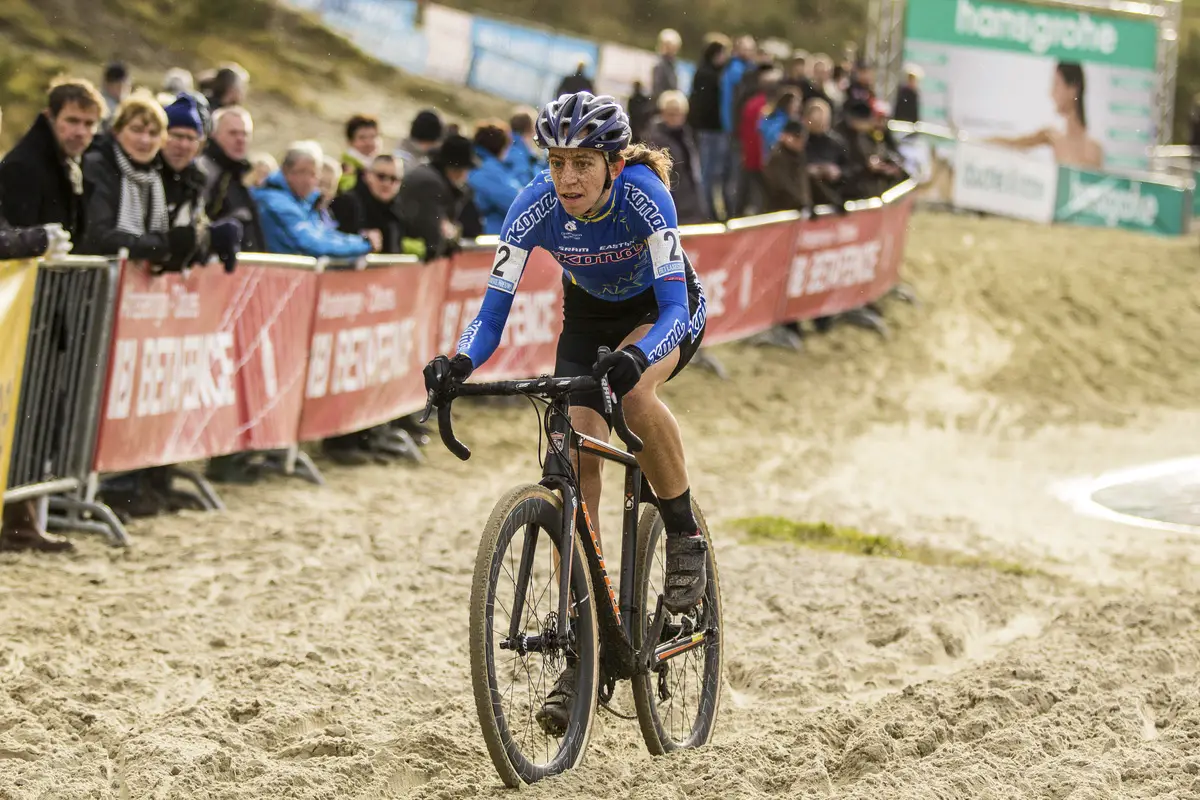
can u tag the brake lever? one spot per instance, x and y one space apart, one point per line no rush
430 397
612 409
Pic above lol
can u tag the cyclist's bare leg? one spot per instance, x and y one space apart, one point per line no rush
662 456
664 465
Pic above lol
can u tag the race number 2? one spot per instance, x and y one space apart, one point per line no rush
507 268
666 252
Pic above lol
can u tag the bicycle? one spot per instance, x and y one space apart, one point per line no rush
608 641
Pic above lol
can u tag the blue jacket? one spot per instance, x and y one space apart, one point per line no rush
294 226
495 190
523 162
771 128
730 78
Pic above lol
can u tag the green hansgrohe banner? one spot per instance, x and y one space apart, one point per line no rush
1109 201
1069 34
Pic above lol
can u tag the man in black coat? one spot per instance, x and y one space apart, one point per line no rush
579 82
41 206
41 179
225 165
704 118
433 195
373 204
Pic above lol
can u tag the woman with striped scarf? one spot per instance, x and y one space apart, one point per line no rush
126 202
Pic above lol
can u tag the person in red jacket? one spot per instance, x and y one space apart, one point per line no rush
751 192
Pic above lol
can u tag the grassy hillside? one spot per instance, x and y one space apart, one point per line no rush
815 25
305 80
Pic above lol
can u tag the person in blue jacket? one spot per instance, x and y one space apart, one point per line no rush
493 182
525 160
787 107
291 219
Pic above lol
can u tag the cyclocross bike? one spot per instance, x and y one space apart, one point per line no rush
530 617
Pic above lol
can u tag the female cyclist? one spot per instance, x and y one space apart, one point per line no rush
604 211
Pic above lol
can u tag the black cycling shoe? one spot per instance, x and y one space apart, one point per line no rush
555 713
687 577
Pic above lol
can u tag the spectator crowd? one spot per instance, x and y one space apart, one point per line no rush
172 177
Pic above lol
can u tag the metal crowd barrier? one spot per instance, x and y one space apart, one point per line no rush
66 366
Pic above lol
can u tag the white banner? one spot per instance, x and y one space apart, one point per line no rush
448 32
620 66
1003 181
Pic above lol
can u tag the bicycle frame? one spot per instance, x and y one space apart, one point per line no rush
617 615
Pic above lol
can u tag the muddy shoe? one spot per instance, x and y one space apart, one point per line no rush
555 714
686 574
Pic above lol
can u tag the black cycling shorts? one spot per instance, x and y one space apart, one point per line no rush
590 323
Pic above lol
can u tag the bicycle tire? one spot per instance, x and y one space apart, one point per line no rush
521 507
658 740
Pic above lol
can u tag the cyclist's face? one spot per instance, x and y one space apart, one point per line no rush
578 177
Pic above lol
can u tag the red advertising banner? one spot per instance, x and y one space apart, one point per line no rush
204 364
530 338
743 273
372 332
842 263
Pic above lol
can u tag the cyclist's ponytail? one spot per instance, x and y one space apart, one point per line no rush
657 160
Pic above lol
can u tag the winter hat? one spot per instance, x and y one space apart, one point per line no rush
184 113
426 127
456 151
856 108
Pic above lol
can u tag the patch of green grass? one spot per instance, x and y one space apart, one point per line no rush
823 536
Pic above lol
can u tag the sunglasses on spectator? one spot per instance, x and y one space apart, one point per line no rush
183 136
386 178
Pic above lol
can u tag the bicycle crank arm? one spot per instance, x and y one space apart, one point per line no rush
677 647
648 655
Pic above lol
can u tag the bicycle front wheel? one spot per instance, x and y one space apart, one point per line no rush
517 576
677 701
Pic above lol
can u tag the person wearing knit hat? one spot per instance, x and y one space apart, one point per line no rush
424 137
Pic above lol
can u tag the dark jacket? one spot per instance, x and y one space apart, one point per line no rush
827 148
427 197
641 113
227 197
704 104
786 181
185 193
685 171
664 77
908 105
575 83
358 210
35 184
102 177
21 242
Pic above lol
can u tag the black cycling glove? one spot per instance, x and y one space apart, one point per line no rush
441 371
623 367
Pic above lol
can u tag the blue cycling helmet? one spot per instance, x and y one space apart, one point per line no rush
583 120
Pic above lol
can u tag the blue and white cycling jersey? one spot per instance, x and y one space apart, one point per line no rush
630 247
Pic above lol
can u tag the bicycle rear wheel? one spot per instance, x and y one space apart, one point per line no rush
523 538
677 702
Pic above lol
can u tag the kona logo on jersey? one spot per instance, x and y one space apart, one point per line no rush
698 319
468 336
530 218
646 208
596 259
669 343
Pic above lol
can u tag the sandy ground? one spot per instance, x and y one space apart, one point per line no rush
312 643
